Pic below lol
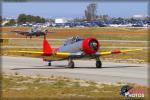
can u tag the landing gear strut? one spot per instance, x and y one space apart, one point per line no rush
71 63
98 63
49 63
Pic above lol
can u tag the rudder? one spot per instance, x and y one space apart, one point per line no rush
47 48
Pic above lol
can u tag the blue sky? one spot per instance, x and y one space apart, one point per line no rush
73 9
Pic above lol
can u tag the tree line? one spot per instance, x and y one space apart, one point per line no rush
24 18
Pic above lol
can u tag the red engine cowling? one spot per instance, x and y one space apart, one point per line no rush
90 45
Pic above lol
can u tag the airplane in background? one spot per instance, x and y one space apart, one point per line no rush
34 31
74 48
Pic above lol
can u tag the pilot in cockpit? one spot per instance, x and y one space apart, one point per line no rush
72 40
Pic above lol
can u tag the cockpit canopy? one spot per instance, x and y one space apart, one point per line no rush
72 40
36 29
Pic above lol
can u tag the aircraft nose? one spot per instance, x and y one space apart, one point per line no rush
90 45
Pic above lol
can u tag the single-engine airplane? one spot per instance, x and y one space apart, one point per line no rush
75 48
34 31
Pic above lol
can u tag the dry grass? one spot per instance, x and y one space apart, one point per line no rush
98 32
19 87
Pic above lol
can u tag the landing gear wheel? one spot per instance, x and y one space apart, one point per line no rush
49 63
98 64
71 64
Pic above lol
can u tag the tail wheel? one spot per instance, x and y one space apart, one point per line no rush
49 63
98 64
71 64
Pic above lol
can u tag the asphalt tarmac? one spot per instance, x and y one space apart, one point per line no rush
85 69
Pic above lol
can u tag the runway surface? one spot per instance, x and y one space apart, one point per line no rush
85 69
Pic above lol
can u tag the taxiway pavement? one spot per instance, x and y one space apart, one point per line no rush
85 69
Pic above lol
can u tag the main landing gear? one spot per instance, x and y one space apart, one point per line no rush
71 63
98 63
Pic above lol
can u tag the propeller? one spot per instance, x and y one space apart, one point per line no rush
93 44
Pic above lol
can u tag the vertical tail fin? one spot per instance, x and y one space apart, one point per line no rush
47 48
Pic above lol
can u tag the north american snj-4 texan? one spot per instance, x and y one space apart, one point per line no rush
74 48
34 31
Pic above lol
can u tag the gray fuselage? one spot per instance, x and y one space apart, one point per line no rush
72 47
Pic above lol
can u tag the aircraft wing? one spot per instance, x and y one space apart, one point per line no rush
20 32
118 51
30 52
65 55
57 54
80 54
